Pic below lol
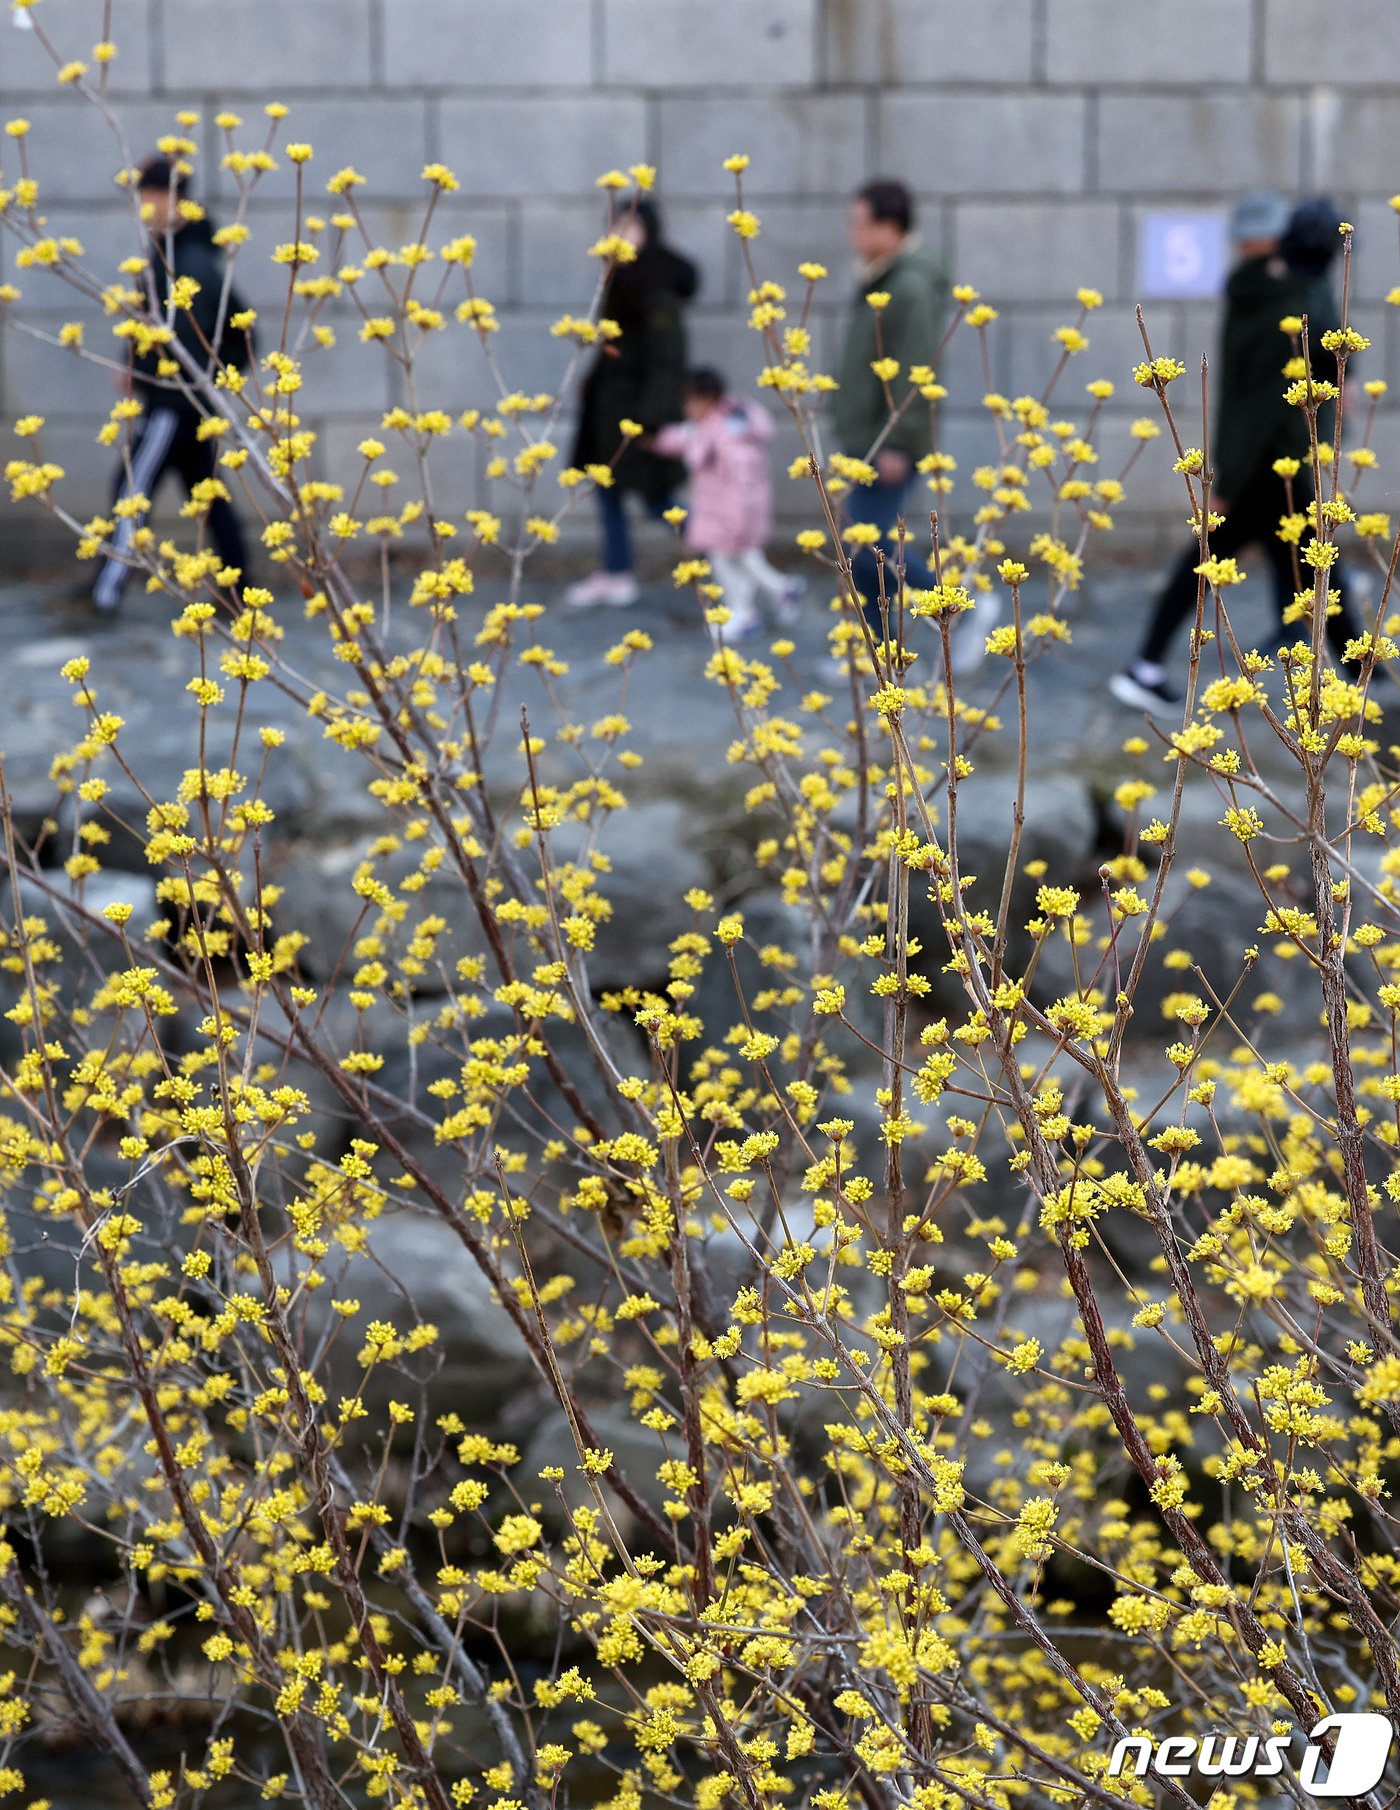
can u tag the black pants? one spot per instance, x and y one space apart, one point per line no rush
1252 520
166 439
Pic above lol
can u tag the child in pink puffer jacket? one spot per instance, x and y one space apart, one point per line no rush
724 444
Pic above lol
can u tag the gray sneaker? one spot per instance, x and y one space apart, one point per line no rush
788 606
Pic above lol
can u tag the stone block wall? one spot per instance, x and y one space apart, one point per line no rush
1035 133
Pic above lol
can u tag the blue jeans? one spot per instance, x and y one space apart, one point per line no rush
617 536
882 504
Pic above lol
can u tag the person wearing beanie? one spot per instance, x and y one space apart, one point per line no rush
1281 271
166 435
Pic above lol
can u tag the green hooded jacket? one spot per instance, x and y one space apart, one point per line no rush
1253 424
911 327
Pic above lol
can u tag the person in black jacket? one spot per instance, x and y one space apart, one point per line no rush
1283 270
640 377
167 435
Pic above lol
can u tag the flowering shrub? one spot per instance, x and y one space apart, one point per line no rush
879 1533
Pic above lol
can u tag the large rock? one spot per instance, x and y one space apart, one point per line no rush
319 899
415 1270
653 861
768 922
532 1113
546 1438
1215 923
1061 829
90 947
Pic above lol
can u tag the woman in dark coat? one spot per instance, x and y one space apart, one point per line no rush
636 377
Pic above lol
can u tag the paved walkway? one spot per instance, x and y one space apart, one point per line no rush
682 723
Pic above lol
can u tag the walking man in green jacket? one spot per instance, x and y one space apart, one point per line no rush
906 328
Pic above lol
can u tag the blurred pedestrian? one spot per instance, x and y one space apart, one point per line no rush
1282 270
637 377
167 436
907 328
723 443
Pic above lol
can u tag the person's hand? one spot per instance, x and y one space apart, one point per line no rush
893 466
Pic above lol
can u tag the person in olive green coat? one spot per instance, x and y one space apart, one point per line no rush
910 326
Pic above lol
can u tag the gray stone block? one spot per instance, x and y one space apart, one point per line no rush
1154 490
959 367
799 232
73 27
348 378
1377 488
893 41
496 229
454 468
386 140
1353 145
85 489
1018 251
74 153
108 233
1211 143
1115 346
390 225
486 44
800 144
517 147
54 381
265 47
1101 41
556 270
974 144
968 434
1189 331
652 848
452 372
1309 41
699 43
721 340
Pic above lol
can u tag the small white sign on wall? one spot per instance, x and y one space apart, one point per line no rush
1182 253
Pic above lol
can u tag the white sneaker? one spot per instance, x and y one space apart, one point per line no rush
969 638
738 628
1158 699
616 588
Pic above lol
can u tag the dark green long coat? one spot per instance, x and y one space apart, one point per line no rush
1254 425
